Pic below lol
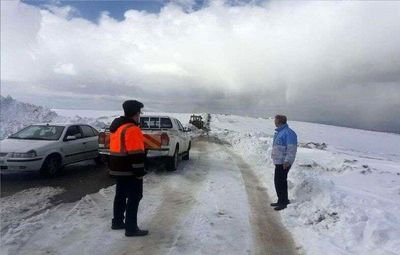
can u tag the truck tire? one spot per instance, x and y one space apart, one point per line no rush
172 162
51 166
186 155
101 160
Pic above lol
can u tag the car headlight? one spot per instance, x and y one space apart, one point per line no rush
29 154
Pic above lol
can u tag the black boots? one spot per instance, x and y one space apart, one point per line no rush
137 232
121 225
280 206
117 225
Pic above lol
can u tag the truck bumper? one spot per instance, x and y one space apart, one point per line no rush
157 153
149 154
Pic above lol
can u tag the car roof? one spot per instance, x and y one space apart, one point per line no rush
61 124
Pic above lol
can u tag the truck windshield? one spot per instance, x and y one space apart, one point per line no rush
155 123
39 132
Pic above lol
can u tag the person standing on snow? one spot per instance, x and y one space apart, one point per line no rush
283 154
127 157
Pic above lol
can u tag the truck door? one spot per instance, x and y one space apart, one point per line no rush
182 138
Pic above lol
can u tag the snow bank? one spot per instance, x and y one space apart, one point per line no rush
345 195
22 215
15 115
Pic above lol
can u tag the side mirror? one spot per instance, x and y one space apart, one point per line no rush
70 138
186 129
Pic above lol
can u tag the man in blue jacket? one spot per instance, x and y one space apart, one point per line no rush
284 150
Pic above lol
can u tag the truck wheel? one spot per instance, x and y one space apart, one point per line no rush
51 166
172 162
186 155
101 160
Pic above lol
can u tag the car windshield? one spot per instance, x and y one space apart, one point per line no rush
39 132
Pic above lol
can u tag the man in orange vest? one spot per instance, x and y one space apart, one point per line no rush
127 156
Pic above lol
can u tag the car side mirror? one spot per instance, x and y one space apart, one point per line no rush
186 129
70 138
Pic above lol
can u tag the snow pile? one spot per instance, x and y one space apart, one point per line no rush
15 115
344 189
22 214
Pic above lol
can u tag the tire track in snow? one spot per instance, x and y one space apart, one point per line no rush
270 236
178 199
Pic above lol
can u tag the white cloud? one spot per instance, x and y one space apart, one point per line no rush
68 69
313 60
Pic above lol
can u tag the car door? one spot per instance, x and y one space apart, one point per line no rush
73 149
91 142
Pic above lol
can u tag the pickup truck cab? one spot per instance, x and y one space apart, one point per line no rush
164 137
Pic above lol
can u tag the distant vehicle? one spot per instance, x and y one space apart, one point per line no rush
48 147
197 121
164 136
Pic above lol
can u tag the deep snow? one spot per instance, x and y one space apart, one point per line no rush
344 186
345 198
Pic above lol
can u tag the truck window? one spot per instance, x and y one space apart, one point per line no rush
166 123
179 125
144 122
154 122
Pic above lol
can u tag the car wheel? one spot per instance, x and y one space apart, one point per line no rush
172 162
186 156
51 166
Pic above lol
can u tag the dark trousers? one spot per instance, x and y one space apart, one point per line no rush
280 180
128 193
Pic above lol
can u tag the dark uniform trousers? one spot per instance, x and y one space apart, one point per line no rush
280 180
128 193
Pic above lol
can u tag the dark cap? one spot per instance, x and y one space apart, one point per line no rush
131 107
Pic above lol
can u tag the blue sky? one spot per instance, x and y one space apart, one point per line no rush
92 9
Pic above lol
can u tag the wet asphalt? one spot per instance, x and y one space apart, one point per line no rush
77 180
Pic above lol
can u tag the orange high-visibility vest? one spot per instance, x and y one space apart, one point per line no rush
127 153
127 140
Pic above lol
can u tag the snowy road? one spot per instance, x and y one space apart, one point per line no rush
213 204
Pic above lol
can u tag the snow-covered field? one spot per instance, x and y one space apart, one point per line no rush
345 197
344 188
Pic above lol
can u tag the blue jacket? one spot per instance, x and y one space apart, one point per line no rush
284 147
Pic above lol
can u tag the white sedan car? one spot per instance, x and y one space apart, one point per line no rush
48 147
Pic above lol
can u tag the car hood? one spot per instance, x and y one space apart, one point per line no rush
21 145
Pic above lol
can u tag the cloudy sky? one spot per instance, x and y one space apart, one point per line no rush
328 62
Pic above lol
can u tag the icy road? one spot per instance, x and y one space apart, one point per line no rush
213 204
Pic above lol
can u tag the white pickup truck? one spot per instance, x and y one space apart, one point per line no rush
164 137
